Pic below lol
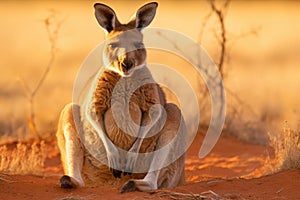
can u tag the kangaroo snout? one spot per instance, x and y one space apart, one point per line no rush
125 60
127 64
125 54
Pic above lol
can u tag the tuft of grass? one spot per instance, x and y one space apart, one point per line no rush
23 158
286 146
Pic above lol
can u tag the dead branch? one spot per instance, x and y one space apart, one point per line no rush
5 180
237 106
234 38
240 102
207 195
5 176
55 23
222 42
52 25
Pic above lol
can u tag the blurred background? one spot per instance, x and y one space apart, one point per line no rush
261 66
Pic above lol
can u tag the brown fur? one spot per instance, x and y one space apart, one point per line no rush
140 102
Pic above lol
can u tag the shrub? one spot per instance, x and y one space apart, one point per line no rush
286 146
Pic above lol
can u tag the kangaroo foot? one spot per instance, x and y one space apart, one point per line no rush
66 182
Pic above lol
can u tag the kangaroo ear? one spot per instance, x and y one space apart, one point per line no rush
145 15
106 17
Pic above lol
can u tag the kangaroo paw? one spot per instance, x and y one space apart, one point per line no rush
138 185
130 186
116 173
66 183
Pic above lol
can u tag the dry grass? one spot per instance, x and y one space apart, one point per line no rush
207 195
23 158
286 146
72 198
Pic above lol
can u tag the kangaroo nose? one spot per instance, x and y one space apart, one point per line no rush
127 65
124 68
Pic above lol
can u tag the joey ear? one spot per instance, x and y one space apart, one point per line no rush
145 15
106 17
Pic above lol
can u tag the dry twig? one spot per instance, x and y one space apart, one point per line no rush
207 195
53 25
223 40
4 179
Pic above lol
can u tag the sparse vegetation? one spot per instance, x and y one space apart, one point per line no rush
286 147
28 157
23 158
241 119
52 25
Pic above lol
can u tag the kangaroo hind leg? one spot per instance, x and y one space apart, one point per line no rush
70 146
161 172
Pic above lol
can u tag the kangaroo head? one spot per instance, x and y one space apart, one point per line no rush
124 51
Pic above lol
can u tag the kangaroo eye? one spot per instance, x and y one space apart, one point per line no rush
113 45
139 45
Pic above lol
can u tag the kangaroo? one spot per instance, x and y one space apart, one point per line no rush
125 118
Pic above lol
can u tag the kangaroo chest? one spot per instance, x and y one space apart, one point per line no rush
124 106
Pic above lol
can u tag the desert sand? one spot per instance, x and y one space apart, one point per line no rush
233 170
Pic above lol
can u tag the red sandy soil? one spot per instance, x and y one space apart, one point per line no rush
233 170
